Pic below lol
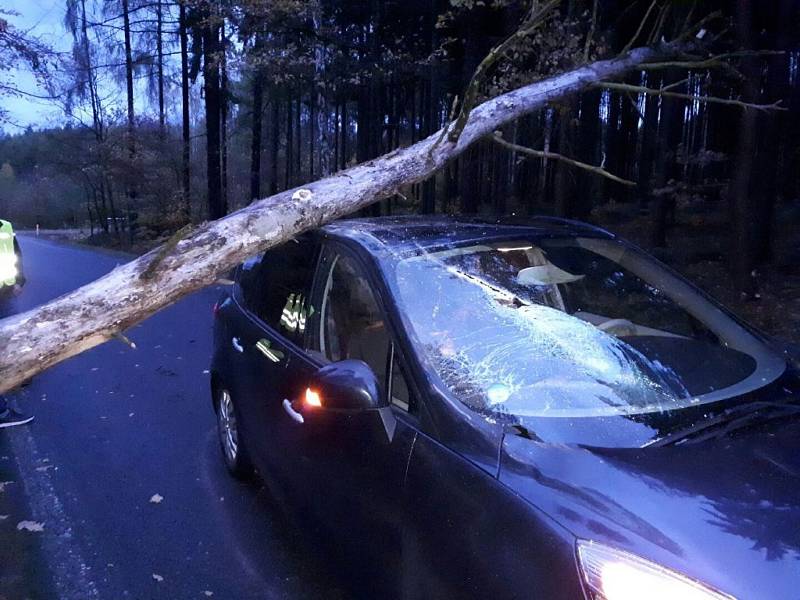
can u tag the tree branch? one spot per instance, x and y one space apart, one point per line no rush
33 341
712 62
497 137
625 87
636 35
538 16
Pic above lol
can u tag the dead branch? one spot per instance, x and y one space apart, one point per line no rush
642 23
537 17
33 341
625 87
498 137
720 61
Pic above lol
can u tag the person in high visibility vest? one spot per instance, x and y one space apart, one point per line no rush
11 278
11 273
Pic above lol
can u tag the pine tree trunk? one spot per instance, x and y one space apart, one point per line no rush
274 145
588 151
289 154
131 195
564 178
255 146
345 159
162 122
744 196
185 116
211 77
223 105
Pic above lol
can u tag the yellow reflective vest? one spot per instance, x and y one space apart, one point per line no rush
7 248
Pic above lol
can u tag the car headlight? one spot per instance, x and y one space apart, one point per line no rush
614 575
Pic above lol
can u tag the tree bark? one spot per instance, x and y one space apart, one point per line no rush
131 193
274 144
223 109
95 313
162 121
255 146
185 117
743 196
211 83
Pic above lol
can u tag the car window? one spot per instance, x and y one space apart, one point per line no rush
351 325
275 287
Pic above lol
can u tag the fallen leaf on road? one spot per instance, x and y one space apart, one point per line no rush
44 468
3 485
3 517
30 526
158 577
156 498
208 593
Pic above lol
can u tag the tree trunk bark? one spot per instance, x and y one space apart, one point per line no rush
745 197
223 108
211 83
289 154
95 313
255 146
185 116
131 193
162 121
564 180
274 145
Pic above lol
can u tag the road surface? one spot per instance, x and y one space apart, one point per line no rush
121 469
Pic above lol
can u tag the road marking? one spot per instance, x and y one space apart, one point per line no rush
69 571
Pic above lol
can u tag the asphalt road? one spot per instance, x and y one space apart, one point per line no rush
115 430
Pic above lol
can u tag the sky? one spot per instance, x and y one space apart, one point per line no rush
42 19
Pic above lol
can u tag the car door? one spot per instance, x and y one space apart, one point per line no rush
265 333
347 468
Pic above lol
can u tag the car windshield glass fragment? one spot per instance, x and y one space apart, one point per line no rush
573 327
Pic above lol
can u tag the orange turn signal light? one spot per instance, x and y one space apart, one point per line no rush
313 398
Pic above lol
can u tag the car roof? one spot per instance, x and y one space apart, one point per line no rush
414 232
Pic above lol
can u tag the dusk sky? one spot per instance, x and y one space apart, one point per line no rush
42 19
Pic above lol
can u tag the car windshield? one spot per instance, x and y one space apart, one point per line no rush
572 327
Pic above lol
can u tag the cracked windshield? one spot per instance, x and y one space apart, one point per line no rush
573 327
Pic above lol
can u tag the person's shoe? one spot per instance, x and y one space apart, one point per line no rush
10 417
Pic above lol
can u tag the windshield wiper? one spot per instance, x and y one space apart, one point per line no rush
728 421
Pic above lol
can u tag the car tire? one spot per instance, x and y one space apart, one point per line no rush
234 452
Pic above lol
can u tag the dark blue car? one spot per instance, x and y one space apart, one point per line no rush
458 409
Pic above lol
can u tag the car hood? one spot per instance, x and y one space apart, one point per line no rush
725 511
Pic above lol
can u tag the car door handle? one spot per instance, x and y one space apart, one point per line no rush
296 416
237 345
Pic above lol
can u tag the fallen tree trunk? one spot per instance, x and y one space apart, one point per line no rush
33 341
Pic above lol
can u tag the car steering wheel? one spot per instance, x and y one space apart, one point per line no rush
618 327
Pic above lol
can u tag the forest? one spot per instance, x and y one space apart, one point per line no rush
179 112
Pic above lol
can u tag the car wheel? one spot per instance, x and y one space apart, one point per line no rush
233 450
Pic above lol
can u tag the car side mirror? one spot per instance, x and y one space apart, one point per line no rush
344 385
